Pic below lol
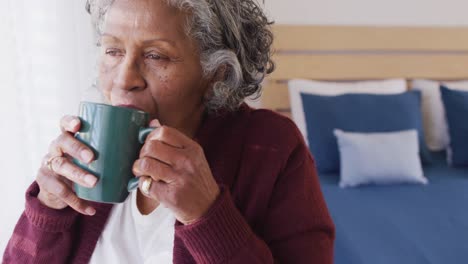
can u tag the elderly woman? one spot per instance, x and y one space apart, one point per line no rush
230 184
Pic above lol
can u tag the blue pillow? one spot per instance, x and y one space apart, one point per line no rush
365 113
456 110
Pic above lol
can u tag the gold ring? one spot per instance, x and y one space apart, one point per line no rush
49 163
146 185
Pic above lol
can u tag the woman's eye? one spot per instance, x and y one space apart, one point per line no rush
113 52
153 56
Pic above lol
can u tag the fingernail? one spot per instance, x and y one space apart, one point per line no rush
86 155
155 135
90 180
136 167
74 123
90 211
155 123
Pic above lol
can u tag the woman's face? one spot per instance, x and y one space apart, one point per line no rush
148 62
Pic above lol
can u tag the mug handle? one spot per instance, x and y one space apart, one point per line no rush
144 132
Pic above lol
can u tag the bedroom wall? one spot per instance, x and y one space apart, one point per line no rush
367 12
370 12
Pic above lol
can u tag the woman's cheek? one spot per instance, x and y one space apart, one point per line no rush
105 82
108 64
160 77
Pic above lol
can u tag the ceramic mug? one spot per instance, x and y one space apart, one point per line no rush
116 135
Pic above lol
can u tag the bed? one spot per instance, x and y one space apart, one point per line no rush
383 224
402 223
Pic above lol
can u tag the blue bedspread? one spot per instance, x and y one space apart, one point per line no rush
402 224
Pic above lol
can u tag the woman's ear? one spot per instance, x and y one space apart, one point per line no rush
220 75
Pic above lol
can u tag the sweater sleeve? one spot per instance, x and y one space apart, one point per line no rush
41 233
297 226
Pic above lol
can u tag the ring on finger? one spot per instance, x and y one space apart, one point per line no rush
146 185
50 161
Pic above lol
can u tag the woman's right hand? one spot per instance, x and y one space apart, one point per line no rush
56 180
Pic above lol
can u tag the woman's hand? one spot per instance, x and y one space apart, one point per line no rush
182 179
55 179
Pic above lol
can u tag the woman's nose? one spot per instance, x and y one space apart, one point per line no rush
129 76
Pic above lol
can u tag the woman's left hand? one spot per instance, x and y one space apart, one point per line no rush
182 179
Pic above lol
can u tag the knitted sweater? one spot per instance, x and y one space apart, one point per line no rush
270 210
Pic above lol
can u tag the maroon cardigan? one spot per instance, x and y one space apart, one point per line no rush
270 210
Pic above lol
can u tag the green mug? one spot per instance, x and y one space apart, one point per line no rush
116 135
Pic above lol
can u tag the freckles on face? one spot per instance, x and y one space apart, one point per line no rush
172 86
147 60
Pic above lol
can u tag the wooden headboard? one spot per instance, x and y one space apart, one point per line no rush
347 53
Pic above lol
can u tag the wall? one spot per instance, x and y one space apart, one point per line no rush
370 12
367 12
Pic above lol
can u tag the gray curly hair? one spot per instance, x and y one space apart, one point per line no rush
234 41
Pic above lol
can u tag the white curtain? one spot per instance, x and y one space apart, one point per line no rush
46 65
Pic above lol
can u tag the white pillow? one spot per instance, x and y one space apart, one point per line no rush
434 121
379 158
296 87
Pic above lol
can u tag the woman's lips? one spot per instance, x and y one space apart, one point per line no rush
130 106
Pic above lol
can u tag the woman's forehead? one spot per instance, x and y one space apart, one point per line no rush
144 19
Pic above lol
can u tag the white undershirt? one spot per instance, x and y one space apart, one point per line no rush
130 237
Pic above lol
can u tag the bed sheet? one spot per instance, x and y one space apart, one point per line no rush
402 223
